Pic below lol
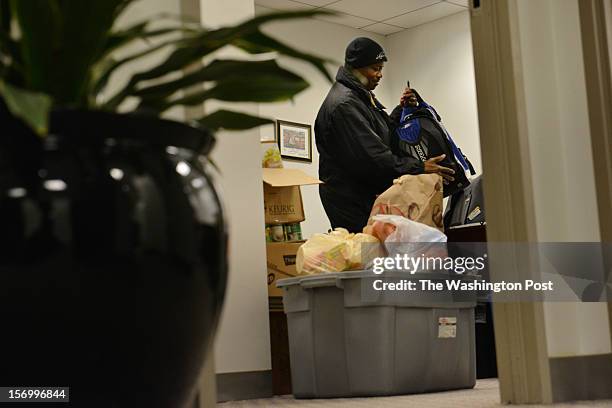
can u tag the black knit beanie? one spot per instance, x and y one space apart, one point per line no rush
363 51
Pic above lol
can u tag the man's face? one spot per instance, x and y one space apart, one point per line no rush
373 73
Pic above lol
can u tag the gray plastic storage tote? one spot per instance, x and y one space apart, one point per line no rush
346 339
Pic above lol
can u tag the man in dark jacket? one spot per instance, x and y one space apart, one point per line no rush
353 134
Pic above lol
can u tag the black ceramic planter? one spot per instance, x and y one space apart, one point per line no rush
112 258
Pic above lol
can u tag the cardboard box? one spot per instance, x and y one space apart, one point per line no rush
281 263
282 196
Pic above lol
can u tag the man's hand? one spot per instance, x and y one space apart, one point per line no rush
432 166
408 98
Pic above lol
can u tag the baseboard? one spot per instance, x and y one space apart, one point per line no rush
244 385
581 378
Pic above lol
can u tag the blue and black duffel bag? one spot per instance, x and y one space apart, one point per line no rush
422 135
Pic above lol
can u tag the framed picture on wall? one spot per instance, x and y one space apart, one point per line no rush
294 140
267 137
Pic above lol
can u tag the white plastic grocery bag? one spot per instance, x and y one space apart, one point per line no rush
410 231
412 238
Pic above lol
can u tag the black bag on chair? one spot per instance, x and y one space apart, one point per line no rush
466 206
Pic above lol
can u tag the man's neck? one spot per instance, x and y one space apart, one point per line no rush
360 77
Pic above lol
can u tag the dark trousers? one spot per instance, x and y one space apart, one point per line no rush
346 211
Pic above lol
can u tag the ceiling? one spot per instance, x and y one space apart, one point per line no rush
383 17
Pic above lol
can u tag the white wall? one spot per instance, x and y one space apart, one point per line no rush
243 338
327 40
437 59
561 159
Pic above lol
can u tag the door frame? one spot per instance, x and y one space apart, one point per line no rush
523 364
595 25
520 339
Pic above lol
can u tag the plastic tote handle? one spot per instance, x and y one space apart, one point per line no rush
321 282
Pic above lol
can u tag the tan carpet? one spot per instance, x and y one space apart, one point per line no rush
484 395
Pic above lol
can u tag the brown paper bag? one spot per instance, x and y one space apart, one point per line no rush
418 198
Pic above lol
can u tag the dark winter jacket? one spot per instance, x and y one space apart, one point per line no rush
353 135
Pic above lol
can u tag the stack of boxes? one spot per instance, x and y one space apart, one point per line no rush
283 213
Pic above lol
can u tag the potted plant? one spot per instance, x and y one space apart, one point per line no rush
112 240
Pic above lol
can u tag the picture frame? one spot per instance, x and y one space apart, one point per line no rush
267 137
294 140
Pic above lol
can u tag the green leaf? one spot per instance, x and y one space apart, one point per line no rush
123 37
32 107
232 120
258 42
216 71
214 164
60 40
244 89
10 60
208 41
121 8
201 45
39 23
139 32
5 26
105 68
100 74
5 16
134 29
10 55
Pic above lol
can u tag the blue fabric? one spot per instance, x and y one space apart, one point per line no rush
409 130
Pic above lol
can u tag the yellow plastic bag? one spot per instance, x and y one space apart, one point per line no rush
337 251
272 158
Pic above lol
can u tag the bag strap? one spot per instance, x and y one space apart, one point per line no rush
456 152
472 171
